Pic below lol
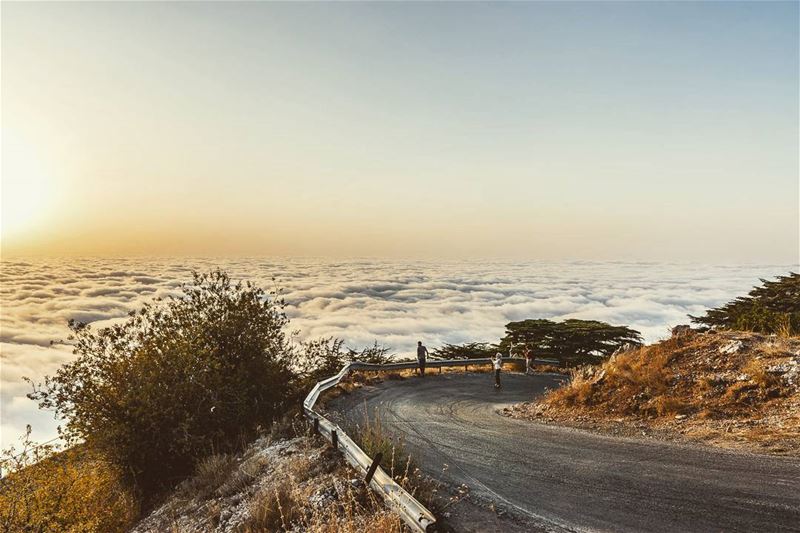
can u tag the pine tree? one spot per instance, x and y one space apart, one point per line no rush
774 307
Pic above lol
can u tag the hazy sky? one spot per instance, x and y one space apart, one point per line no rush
542 130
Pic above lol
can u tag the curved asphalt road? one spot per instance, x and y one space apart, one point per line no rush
575 480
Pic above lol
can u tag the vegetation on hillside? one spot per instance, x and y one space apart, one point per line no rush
774 307
145 401
325 357
738 388
736 382
292 483
75 490
176 381
571 341
469 350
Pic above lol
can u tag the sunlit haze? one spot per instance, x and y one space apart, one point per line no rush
629 130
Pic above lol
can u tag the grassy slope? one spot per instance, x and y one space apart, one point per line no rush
275 485
733 389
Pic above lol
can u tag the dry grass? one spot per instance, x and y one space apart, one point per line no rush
549 369
373 439
221 475
274 509
74 491
718 387
300 484
209 475
784 330
294 502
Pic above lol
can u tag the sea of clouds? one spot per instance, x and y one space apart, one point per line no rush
394 303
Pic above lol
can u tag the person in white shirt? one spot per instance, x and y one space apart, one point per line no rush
498 364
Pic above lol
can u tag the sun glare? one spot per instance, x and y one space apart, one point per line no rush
25 188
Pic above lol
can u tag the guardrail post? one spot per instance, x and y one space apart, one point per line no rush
373 467
316 425
334 439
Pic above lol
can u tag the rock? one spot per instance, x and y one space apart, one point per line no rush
322 498
780 369
790 370
731 348
720 379
680 417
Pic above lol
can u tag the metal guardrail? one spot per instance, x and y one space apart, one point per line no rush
413 513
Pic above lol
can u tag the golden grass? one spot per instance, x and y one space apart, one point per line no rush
285 505
274 508
73 492
209 475
719 387
372 438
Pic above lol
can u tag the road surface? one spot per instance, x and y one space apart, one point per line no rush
573 480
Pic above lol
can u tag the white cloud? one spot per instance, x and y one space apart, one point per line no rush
394 303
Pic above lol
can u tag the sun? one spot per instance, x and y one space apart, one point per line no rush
25 188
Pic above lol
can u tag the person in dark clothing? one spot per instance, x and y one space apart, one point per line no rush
422 355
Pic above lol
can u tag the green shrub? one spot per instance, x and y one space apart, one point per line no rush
573 342
469 350
325 357
772 308
180 379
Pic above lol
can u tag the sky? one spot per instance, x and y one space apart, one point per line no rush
631 130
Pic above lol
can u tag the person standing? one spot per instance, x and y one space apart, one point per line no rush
422 355
498 364
528 360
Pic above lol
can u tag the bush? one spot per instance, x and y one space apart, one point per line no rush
325 357
177 381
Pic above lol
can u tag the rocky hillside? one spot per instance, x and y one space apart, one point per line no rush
291 484
733 389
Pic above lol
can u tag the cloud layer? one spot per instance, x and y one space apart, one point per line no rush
394 303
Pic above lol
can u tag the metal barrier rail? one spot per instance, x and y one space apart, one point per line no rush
413 513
